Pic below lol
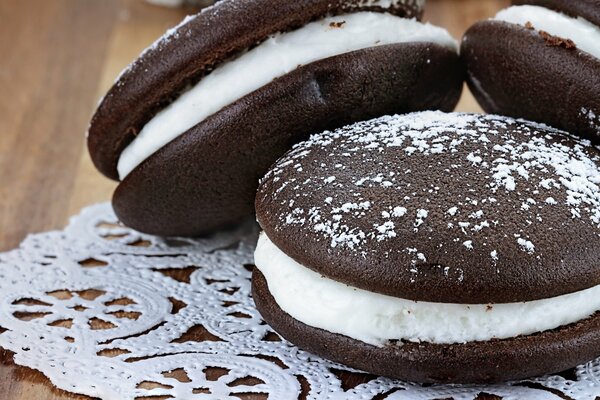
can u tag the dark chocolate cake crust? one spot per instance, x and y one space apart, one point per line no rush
207 177
474 362
516 71
588 9
191 50
450 208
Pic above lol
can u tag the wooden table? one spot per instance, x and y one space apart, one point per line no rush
57 57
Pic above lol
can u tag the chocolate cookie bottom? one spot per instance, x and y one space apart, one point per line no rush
474 362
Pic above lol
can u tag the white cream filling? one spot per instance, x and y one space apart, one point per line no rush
584 34
277 56
375 318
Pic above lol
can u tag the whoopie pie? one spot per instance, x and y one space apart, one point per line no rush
434 247
540 60
191 126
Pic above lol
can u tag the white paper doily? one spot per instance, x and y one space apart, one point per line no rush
108 312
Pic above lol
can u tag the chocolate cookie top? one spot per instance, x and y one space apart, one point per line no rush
189 51
588 9
457 208
512 70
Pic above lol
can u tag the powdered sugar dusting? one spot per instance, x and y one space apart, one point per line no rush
513 176
592 118
421 215
399 211
526 245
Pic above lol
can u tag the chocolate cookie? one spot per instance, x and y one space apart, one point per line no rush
587 9
539 63
410 237
198 118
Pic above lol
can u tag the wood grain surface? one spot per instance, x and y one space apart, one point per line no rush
57 57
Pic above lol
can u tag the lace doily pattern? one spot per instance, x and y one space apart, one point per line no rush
108 312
